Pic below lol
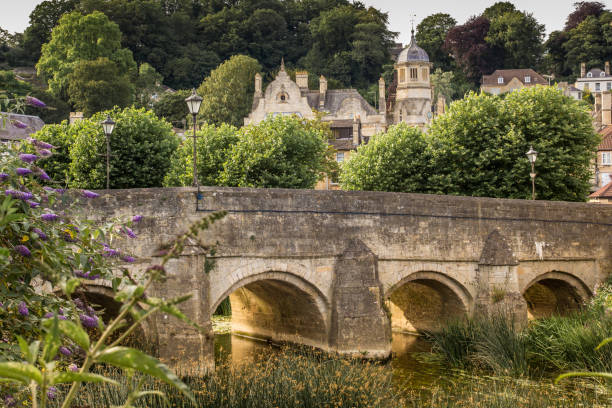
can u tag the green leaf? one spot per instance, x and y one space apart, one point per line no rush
73 332
21 372
603 343
68 377
70 286
52 340
29 352
129 292
130 358
583 374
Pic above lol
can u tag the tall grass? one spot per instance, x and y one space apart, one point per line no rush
548 345
283 380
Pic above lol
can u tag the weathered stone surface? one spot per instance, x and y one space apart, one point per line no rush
317 266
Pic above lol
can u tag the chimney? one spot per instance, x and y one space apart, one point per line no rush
606 108
441 108
382 100
322 92
583 70
356 130
607 68
301 79
76 117
258 81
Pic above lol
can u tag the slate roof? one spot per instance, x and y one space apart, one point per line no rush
606 138
604 192
508 74
413 53
334 99
596 72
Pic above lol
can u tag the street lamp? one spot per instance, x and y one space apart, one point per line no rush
108 125
532 155
193 103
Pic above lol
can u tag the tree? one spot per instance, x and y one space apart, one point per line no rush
141 146
398 160
171 106
97 85
148 86
214 145
442 83
479 146
61 136
281 152
472 53
78 37
228 91
582 10
43 19
431 33
520 37
499 9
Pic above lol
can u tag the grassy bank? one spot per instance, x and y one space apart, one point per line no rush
545 347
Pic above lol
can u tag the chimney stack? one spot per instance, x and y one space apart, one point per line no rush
382 100
583 70
356 130
322 92
258 82
606 108
607 68
301 79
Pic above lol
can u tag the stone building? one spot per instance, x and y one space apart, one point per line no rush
508 80
594 80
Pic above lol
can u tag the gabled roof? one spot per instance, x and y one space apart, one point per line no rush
508 74
606 138
604 192
334 99
596 73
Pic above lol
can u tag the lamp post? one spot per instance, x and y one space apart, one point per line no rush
193 103
108 125
532 155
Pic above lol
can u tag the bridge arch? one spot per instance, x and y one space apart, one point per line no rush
554 292
425 300
278 306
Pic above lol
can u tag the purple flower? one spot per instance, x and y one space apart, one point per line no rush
49 217
23 309
108 252
129 232
65 351
86 275
21 195
20 125
22 250
41 144
89 321
22 172
51 393
62 317
28 158
10 401
35 102
90 194
48 315
40 234
33 204
79 304
128 259
45 152
73 367
43 175
136 218
3 176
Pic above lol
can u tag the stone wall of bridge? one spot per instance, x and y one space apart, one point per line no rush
338 270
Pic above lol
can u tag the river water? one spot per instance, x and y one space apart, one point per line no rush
409 362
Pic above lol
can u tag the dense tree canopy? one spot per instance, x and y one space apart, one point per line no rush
480 146
228 91
397 160
431 34
80 37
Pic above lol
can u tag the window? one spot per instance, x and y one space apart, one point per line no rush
340 157
527 79
602 74
400 115
609 87
605 179
587 87
590 75
414 74
597 86
425 72
500 80
402 75
282 97
606 158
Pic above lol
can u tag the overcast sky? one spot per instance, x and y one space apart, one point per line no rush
14 13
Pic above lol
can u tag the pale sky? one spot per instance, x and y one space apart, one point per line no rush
552 13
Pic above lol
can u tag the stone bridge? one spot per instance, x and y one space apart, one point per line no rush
339 270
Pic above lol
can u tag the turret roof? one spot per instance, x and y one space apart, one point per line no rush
413 52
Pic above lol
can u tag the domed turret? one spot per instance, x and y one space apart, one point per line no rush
413 53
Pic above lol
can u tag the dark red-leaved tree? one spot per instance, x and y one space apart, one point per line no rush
471 51
582 11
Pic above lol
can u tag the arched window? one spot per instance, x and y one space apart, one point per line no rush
590 75
282 97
